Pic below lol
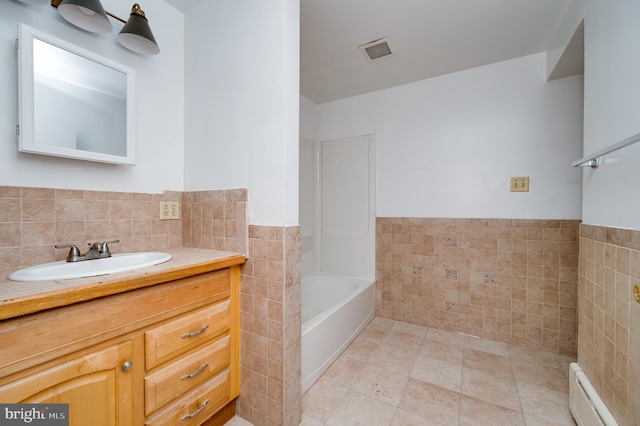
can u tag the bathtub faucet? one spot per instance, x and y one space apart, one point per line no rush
96 250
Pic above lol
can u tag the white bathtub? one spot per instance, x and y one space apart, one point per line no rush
335 309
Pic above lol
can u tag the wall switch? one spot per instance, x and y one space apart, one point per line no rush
169 210
520 184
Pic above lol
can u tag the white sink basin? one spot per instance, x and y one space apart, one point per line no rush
89 268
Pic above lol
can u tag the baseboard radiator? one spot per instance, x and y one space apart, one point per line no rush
586 406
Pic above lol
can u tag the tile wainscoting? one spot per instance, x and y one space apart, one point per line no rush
509 280
609 321
270 390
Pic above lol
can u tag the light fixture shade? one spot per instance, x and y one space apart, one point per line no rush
86 14
36 2
136 34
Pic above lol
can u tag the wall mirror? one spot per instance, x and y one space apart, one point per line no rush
73 102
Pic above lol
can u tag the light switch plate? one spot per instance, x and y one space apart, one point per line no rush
520 184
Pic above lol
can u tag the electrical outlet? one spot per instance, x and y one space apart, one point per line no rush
169 210
520 184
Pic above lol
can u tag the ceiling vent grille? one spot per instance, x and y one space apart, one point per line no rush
377 49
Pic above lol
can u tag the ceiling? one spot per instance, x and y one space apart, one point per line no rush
428 37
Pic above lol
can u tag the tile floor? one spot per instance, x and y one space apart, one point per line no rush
237 421
402 374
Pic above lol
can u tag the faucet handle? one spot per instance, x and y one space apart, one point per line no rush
104 248
74 252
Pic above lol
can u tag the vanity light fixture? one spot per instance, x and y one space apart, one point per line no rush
86 14
136 34
90 16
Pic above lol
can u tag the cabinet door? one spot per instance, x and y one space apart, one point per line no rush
96 387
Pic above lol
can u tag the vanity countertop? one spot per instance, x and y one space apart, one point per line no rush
22 298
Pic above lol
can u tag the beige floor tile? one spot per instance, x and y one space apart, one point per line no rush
382 322
344 371
405 418
521 353
430 401
545 403
360 349
541 375
238 421
485 345
381 384
356 409
398 359
400 339
442 350
490 388
323 397
475 412
537 421
438 372
455 380
445 336
497 365
565 362
405 327
310 421
373 334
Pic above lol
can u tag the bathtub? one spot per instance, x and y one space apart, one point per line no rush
335 309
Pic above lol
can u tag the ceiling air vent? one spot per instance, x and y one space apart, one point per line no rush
377 49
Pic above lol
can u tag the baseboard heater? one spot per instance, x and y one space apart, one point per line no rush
585 404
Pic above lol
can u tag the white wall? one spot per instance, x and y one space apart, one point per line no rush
612 112
159 103
447 146
570 24
242 103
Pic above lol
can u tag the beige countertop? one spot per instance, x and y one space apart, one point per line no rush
22 298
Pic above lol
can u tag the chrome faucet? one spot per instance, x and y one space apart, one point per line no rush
96 250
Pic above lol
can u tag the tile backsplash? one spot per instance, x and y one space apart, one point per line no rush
33 220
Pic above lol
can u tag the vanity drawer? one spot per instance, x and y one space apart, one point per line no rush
198 405
188 372
178 336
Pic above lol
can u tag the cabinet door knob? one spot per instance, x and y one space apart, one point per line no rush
127 366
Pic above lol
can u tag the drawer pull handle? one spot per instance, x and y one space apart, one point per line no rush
127 366
195 333
195 413
195 373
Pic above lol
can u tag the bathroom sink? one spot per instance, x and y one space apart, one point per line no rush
89 268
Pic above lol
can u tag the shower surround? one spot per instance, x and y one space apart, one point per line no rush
510 280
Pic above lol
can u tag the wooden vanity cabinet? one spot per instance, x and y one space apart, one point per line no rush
160 355
95 386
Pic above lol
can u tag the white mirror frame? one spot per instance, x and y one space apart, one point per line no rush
27 133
